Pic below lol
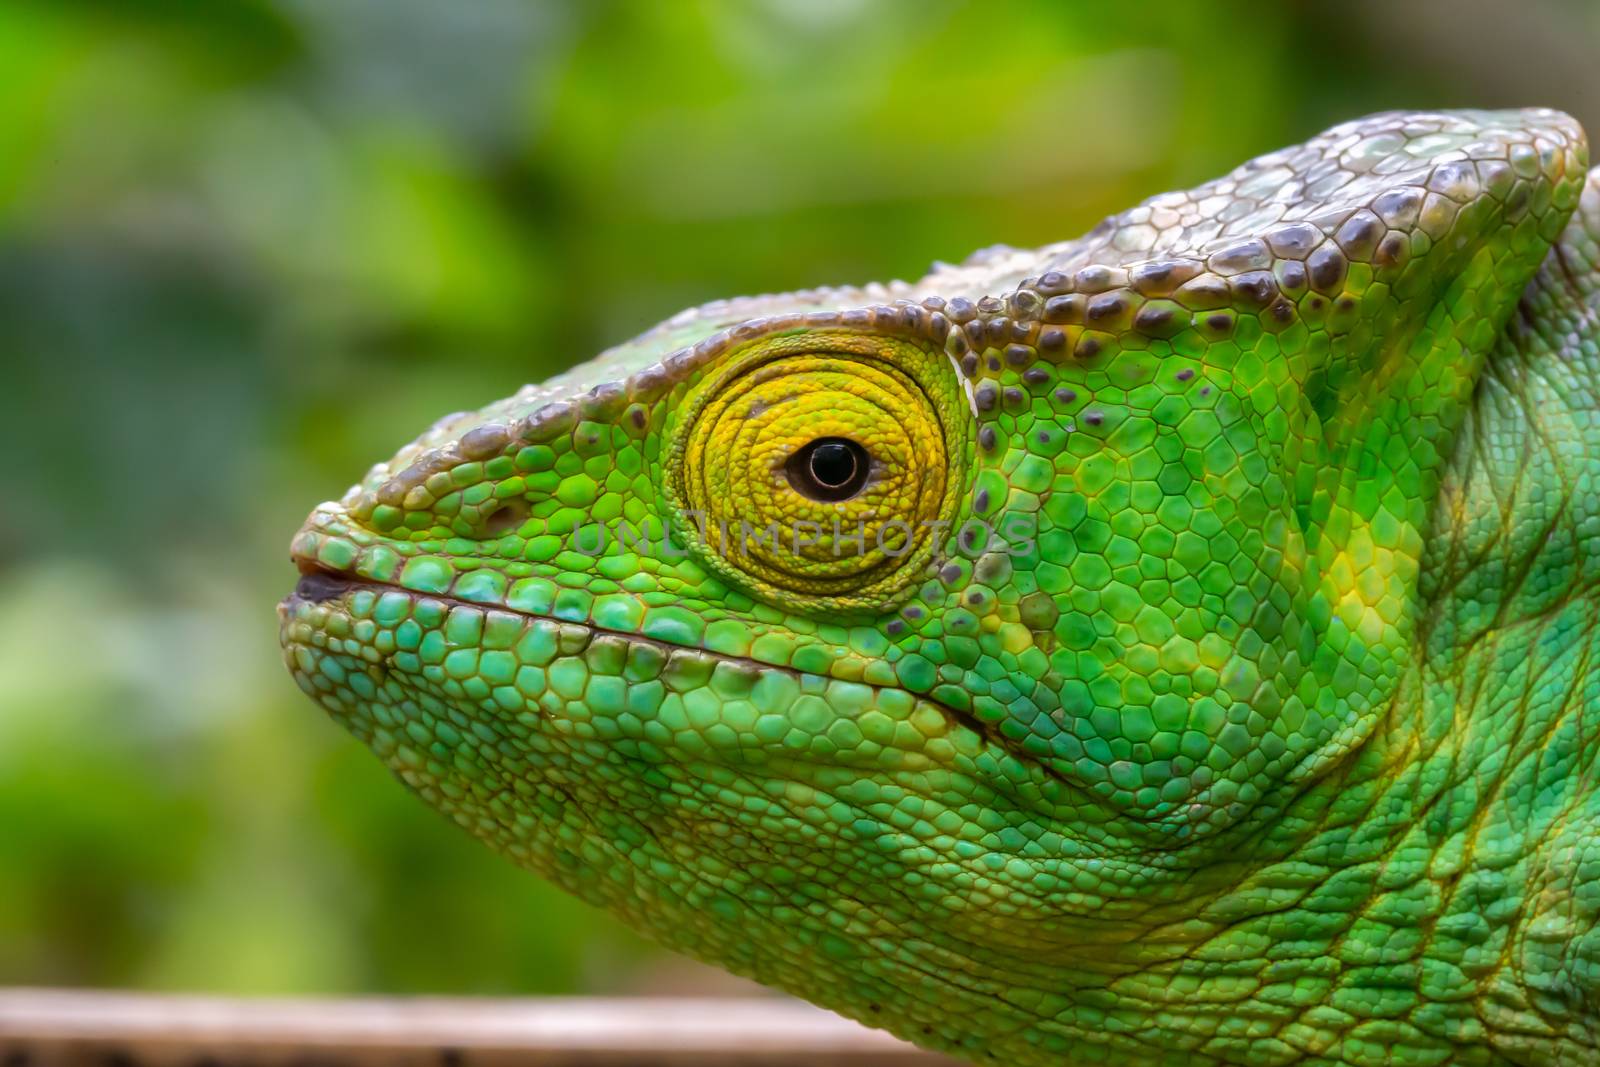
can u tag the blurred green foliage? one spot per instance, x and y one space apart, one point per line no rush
249 246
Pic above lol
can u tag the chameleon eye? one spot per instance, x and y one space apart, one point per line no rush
816 468
829 469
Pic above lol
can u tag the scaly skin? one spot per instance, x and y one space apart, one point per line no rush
1255 723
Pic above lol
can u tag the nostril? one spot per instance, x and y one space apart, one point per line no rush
506 518
319 585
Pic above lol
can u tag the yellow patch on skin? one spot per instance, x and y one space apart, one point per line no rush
1367 583
1016 638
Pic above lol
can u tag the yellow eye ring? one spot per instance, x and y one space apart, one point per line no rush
820 469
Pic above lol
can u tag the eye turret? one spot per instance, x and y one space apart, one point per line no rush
820 469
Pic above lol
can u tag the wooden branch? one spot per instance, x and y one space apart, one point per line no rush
44 1028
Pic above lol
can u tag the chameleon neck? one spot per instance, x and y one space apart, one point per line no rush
1443 878
1439 883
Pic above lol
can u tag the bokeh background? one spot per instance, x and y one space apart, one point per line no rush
247 247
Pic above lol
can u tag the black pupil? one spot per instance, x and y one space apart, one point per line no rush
829 468
833 464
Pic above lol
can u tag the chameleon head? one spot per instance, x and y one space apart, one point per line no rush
923 647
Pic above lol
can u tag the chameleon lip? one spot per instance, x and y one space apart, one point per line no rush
319 584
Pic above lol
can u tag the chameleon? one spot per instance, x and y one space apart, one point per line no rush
1172 646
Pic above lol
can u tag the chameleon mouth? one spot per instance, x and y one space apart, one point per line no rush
328 636
322 587
318 585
